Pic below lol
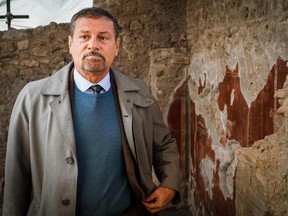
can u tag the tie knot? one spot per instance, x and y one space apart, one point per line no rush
96 88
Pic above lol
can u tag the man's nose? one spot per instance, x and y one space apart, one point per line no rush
94 43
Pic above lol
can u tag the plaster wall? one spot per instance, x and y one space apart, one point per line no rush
238 61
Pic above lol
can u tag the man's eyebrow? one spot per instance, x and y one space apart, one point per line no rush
83 31
101 33
105 32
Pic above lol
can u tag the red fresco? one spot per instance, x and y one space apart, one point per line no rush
193 137
265 106
230 95
244 125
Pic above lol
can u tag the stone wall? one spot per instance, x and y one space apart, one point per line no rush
262 173
146 26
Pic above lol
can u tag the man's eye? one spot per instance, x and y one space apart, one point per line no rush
102 38
83 37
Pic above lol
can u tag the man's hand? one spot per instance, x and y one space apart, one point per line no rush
159 199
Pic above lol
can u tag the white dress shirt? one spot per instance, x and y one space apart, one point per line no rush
84 84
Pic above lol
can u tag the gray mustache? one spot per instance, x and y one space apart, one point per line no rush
94 53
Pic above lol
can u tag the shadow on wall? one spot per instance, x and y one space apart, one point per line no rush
244 125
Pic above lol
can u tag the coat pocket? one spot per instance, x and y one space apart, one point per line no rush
143 102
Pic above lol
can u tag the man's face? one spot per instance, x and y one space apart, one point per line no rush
93 45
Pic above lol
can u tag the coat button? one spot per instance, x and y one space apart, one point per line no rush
65 202
70 160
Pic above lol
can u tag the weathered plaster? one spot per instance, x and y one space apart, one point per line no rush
227 168
208 167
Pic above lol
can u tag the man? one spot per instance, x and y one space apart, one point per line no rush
71 151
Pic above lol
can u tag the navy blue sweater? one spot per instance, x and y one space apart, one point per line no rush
102 186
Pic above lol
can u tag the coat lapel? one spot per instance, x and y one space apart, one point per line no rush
61 110
125 90
126 110
61 106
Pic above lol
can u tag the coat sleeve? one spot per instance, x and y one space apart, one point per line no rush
158 141
166 159
17 186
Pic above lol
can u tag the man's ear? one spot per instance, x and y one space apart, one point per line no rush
118 42
70 43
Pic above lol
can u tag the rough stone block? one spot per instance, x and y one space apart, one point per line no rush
30 63
181 60
23 45
3 47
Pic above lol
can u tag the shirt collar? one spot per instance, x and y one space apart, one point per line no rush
84 84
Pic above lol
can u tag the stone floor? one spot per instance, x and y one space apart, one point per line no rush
184 211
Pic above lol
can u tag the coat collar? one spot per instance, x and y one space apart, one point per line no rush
58 83
124 82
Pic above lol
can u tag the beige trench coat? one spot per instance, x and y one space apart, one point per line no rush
41 163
